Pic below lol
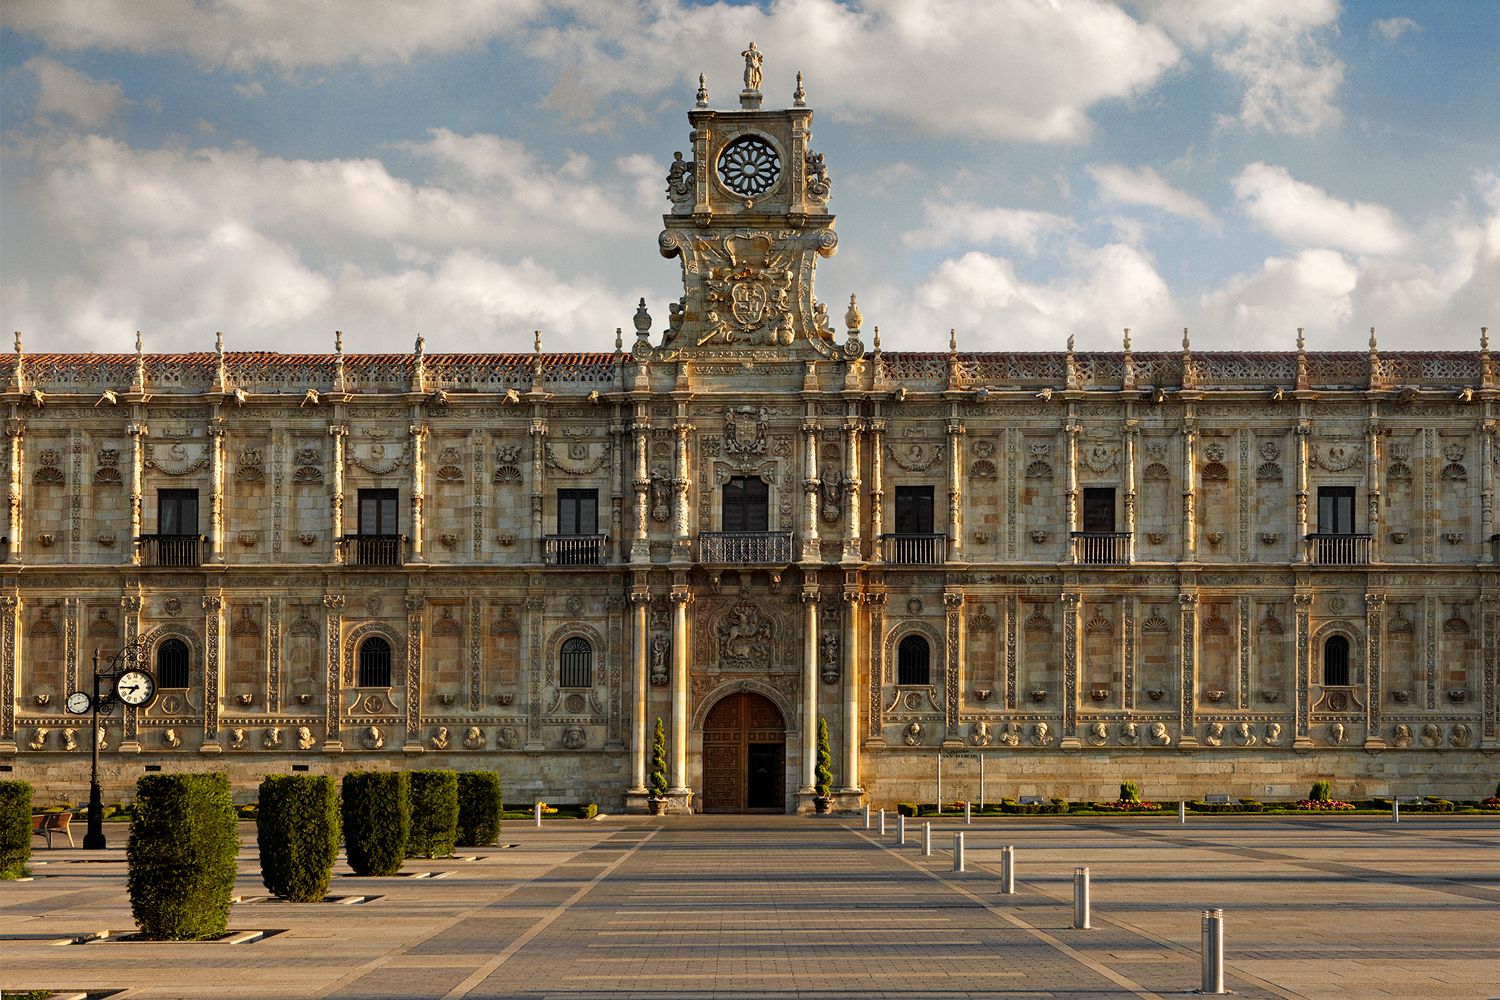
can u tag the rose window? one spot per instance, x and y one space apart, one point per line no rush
749 166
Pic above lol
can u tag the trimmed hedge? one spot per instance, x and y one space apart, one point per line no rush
297 827
480 806
15 828
1053 807
1242 806
1130 791
906 808
181 856
377 821
434 814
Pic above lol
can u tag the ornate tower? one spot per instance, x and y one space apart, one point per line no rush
749 219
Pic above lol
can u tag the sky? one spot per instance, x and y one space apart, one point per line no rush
1018 170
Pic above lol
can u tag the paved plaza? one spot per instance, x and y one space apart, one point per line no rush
799 907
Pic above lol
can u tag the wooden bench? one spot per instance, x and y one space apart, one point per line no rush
1217 799
46 824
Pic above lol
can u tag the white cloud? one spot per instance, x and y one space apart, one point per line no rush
1392 28
62 90
244 34
1276 49
1144 186
948 224
1305 215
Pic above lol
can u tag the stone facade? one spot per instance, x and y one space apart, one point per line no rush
1204 571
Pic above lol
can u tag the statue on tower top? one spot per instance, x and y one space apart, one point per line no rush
753 57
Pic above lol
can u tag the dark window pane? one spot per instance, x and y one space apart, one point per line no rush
177 512
172 664
577 512
1099 509
375 662
913 661
746 505
1336 660
377 512
1336 510
913 510
576 664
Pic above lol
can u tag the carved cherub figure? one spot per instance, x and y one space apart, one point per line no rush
305 739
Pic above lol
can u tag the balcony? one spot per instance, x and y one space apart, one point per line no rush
1339 550
574 550
915 550
745 548
1100 548
373 550
171 550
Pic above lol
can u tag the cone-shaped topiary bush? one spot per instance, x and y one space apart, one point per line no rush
479 808
15 828
297 826
434 814
659 762
377 821
823 772
181 853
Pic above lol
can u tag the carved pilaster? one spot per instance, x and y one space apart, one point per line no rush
811 488
640 544
418 492
851 655
1302 605
1372 487
339 433
213 660
953 662
875 683
1132 439
877 488
809 688
216 490
1299 528
138 432
414 608
1187 623
1069 693
15 431
682 477
10 607
1374 682
535 606
1490 619
1070 464
538 429
1487 480
130 614
1189 496
851 491
955 491
333 606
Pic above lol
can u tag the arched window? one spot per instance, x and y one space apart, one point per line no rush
375 663
913 661
172 664
576 664
1336 661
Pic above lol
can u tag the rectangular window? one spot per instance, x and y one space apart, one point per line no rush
1099 508
1335 510
914 510
176 512
377 512
746 504
577 512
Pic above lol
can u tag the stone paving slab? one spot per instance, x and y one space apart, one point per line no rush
789 907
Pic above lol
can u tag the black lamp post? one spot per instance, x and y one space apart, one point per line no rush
94 839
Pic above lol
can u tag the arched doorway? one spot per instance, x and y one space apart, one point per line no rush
744 756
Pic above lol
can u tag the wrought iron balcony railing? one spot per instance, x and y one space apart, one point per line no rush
1100 548
171 550
1338 550
575 550
745 548
373 550
916 550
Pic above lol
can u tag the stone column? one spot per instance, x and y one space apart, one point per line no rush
877 488
953 665
955 491
1374 684
851 490
681 598
338 432
418 492
640 637
15 430
1372 487
681 479
10 607
1187 627
213 672
1070 495
1486 485
809 689
333 606
216 490
1304 431
811 551
1189 483
1302 604
137 431
851 690
1132 436
1069 694
538 472
640 542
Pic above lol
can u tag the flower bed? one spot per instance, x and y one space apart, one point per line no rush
1325 805
1121 806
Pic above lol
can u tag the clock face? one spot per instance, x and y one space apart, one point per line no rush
135 687
79 703
749 166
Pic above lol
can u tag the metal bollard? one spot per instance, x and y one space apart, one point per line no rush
1008 870
958 851
536 811
1395 811
882 822
968 816
1182 812
1081 899
901 830
867 816
1213 952
926 840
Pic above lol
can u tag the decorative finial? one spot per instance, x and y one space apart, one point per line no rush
1484 339
421 345
877 339
799 96
338 341
952 339
218 342
1127 340
619 340
642 319
137 341
1185 345
702 91
853 318
1070 343
1301 341
1372 338
18 341
536 343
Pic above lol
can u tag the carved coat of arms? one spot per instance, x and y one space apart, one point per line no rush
745 430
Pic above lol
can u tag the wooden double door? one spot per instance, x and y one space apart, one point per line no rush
744 756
